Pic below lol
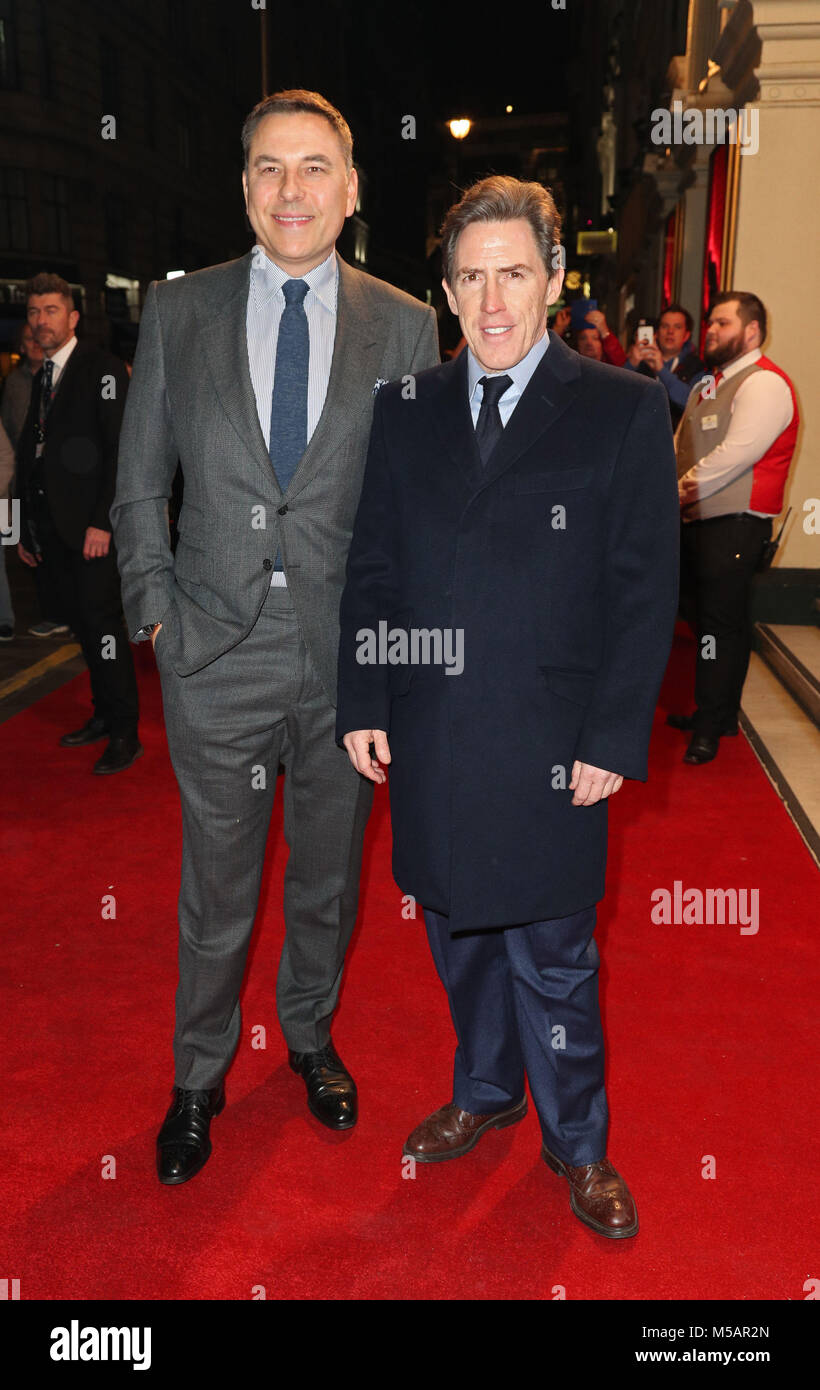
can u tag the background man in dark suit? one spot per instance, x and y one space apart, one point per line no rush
67 469
260 375
524 502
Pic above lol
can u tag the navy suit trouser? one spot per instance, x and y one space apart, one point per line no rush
524 1001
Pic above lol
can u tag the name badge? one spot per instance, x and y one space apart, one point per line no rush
709 422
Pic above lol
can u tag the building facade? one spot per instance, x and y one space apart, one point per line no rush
724 196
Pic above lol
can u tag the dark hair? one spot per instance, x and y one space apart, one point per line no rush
679 309
48 283
298 99
750 309
582 327
501 198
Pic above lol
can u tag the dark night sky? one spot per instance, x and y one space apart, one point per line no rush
436 62
479 67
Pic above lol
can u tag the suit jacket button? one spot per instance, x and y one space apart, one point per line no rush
282 510
267 564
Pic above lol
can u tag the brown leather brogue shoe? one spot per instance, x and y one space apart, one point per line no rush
450 1132
599 1196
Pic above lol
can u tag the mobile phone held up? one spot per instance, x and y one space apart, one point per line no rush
645 335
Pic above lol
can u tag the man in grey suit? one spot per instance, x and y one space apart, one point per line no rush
260 376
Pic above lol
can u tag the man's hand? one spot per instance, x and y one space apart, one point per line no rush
592 784
596 317
687 489
27 557
96 543
358 750
562 321
154 634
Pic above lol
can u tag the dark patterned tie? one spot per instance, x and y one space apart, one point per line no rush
46 391
489 428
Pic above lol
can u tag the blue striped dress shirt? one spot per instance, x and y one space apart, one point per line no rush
266 305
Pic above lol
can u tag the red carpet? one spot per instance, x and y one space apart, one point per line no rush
711 1051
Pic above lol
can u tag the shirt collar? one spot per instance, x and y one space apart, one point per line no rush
740 362
267 279
674 358
520 373
60 358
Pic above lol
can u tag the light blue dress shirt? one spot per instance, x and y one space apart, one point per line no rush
520 373
266 305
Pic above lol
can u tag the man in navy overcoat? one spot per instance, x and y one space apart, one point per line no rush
509 607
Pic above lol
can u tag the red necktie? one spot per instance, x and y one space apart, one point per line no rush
718 379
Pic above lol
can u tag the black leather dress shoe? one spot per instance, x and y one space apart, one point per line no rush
90 733
120 754
331 1090
687 723
183 1143
702 749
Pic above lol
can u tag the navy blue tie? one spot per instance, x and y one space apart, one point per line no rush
489 428
288 411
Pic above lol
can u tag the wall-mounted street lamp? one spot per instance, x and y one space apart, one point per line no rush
460 127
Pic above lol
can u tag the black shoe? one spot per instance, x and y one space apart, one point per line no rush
120 754
6 633
687 723
91 732
183 1143
702 749
331 1089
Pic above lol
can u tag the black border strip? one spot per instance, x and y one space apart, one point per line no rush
784 789
788 655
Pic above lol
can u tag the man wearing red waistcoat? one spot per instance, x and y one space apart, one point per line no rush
734 446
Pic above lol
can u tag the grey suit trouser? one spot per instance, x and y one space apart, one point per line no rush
229 726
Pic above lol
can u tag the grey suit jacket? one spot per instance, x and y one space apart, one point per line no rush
191 398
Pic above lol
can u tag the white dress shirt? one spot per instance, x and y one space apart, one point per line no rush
60 358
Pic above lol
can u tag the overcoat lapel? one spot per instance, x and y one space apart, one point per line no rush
551 390
455 423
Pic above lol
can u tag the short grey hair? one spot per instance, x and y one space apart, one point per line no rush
501 198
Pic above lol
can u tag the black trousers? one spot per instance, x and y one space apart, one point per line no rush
87 597
719 557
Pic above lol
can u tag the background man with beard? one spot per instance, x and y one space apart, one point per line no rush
66 476
260 376
525 499
734 446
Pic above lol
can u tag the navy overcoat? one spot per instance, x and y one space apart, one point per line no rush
558 565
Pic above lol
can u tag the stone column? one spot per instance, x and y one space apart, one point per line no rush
777 227
696 207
